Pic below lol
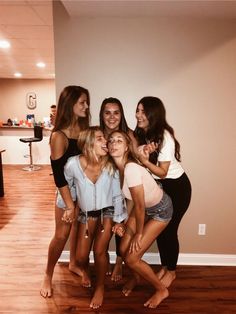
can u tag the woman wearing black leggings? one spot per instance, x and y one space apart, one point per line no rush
159 151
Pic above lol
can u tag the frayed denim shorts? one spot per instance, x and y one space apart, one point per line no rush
162 211
107 212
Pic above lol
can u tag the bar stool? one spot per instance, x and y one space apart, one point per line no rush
38 136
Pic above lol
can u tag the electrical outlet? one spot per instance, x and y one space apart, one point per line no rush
201 229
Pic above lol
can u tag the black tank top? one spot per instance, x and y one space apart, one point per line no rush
58 164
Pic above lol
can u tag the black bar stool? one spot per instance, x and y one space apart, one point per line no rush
1 175
38 136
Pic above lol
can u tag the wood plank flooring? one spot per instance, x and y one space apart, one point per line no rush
26 227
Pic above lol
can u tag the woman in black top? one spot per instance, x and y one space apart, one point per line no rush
72 116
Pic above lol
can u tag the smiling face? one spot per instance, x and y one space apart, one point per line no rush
111 117
81 106
142 121
100 144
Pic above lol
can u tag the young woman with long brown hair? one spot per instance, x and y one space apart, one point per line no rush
161 155
72 117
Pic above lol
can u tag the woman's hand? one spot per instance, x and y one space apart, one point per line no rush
150 147
135 244
119 228
68 215
145 150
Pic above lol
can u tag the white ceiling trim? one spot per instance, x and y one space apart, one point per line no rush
164 8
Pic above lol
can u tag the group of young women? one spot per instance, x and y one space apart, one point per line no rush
112 180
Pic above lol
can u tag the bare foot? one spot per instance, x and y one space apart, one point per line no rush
161 273
129 286
46 288
156 298
168 278
75 269
117 271
109 270
97 299
85 279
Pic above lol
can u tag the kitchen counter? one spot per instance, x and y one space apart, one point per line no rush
15 127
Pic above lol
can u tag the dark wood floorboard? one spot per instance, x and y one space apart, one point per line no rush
26 226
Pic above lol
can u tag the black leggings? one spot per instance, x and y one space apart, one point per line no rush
168 244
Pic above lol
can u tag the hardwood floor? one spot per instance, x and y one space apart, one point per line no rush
26 227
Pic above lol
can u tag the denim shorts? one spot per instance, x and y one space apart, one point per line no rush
107 212
162 211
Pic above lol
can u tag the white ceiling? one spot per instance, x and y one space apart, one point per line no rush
137 8
28 25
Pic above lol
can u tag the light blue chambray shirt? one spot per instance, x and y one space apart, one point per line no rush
106 192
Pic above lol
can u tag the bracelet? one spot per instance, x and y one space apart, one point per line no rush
69 208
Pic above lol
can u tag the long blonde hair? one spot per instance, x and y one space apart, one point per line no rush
129 155
86 142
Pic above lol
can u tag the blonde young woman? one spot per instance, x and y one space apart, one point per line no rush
145 197
96 187
112 118
72 117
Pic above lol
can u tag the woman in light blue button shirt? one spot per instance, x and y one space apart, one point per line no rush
95 186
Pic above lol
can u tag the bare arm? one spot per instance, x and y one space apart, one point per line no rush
58 147
137 193
159 170
134 141
129 205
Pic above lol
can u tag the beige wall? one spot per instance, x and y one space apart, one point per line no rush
13 98
191 66
13 105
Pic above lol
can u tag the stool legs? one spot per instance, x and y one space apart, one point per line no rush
31 167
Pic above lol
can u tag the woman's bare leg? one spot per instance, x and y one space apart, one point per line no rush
117 270
109 267
131 284
101 243
83 249
168 278
151 230
56 246
161 273
124 247
73 267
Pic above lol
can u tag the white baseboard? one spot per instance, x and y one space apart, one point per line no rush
184 259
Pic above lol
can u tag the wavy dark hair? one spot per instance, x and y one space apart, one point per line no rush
156 114
65 115
123 126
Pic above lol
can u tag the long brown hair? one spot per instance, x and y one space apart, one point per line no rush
68 98
156 114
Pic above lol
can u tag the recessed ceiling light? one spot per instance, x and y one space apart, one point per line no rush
41 64
4 44
17 74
